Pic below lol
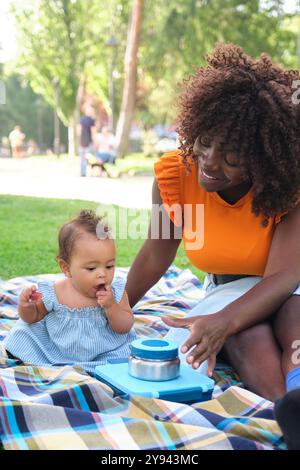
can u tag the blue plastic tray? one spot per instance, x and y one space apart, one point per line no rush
189 387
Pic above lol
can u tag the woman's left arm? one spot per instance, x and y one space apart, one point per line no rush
280 279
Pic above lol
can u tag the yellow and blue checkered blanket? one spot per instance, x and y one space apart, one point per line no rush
64 408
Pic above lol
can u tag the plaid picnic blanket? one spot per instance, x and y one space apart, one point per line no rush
49 408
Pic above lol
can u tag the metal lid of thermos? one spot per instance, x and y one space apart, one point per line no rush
154 359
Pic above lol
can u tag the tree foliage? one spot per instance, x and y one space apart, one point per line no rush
178 34
65 40
68 40
25 108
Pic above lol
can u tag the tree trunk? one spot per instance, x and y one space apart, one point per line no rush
74 120
72 135
129 90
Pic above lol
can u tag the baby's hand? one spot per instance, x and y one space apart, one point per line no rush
28 296
29 301
105 296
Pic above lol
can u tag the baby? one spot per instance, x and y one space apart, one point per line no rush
84 319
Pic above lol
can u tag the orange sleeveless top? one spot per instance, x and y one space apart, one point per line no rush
219 237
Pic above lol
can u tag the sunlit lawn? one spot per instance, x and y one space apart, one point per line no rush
28 235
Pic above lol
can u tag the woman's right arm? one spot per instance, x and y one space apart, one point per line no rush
155 256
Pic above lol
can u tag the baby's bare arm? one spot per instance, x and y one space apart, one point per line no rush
119 315
31 308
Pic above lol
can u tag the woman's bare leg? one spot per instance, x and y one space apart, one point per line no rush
256 357
287 332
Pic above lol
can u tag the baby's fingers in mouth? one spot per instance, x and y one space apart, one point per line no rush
101 288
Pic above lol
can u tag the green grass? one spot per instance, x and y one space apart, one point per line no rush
28 235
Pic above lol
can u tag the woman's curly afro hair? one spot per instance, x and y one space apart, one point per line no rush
250 104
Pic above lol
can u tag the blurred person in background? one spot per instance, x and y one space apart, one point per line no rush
16 139
105 146
86 131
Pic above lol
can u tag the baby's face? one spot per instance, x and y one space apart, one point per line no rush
92 264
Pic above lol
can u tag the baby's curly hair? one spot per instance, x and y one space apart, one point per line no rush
87 221
249 103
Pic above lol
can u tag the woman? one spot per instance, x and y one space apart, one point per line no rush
239 158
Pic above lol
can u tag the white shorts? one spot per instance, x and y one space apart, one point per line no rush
215 298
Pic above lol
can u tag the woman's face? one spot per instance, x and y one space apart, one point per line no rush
217 170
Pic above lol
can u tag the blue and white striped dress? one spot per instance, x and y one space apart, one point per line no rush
69 336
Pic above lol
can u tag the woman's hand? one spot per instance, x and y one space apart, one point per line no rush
208 335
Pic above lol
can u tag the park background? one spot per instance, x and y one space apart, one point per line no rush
127 58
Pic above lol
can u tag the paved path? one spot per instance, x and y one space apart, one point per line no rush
50 178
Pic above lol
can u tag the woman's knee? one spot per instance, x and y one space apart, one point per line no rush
255 355
287 331
250 342
287 321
